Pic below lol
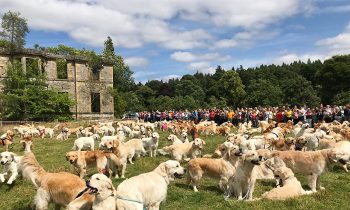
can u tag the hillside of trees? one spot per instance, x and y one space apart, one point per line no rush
298 83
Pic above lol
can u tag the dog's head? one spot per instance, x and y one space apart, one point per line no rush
96 136
112 144
7 158
197 142
305 126
252 157
184 135
337 155
155 135
72 157
101 185
289 141
171 169
171 137
228 149
283 173
300 143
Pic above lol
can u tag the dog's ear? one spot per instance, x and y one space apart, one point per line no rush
115 143
162 169
13 157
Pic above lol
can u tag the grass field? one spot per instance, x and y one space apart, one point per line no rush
51 155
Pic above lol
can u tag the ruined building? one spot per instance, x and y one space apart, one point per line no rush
71 75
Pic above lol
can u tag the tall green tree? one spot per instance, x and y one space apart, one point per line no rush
263 93
14 30
108 51
233 87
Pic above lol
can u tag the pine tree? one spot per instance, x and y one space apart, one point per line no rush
108 51
14 31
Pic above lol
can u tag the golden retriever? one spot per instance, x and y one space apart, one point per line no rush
184 151
222 169
102 188
291 186
312 163
81 160
59 188
243 183
148 190
7 139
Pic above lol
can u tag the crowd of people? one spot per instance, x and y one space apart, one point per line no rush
279 114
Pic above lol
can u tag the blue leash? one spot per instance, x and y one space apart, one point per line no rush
118 197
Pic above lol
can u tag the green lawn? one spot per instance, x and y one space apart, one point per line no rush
51 155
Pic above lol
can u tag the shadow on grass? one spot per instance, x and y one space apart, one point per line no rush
214 189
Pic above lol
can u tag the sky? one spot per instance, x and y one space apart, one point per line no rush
163 39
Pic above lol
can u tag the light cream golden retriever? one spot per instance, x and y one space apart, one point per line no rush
184 151
58 188
222 169
101 187
243 183
148 190
291 186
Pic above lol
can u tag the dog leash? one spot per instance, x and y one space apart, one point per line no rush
88 187
135 201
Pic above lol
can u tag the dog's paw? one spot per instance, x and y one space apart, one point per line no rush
9 182
322 188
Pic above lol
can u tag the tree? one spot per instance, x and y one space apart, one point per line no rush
342 98
108 51
233 87
26 96
334 77
15 29
264 93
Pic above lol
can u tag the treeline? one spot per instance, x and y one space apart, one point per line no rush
298 83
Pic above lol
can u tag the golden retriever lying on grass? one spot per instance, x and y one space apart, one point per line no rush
291 186
58 188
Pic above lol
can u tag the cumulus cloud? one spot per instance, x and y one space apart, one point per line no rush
136 61
182 56
203 67
133 24
339 44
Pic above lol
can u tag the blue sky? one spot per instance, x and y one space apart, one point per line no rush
162 39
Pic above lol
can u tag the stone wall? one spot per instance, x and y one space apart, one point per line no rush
78 85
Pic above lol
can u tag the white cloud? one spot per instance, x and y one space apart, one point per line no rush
225 43
182 56
339 44
169 77
203 67
134 23
136 61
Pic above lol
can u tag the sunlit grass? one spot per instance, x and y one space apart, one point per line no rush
51 155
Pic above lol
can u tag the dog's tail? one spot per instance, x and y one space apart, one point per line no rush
31 169
165 150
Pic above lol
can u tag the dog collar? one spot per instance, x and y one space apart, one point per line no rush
275 134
